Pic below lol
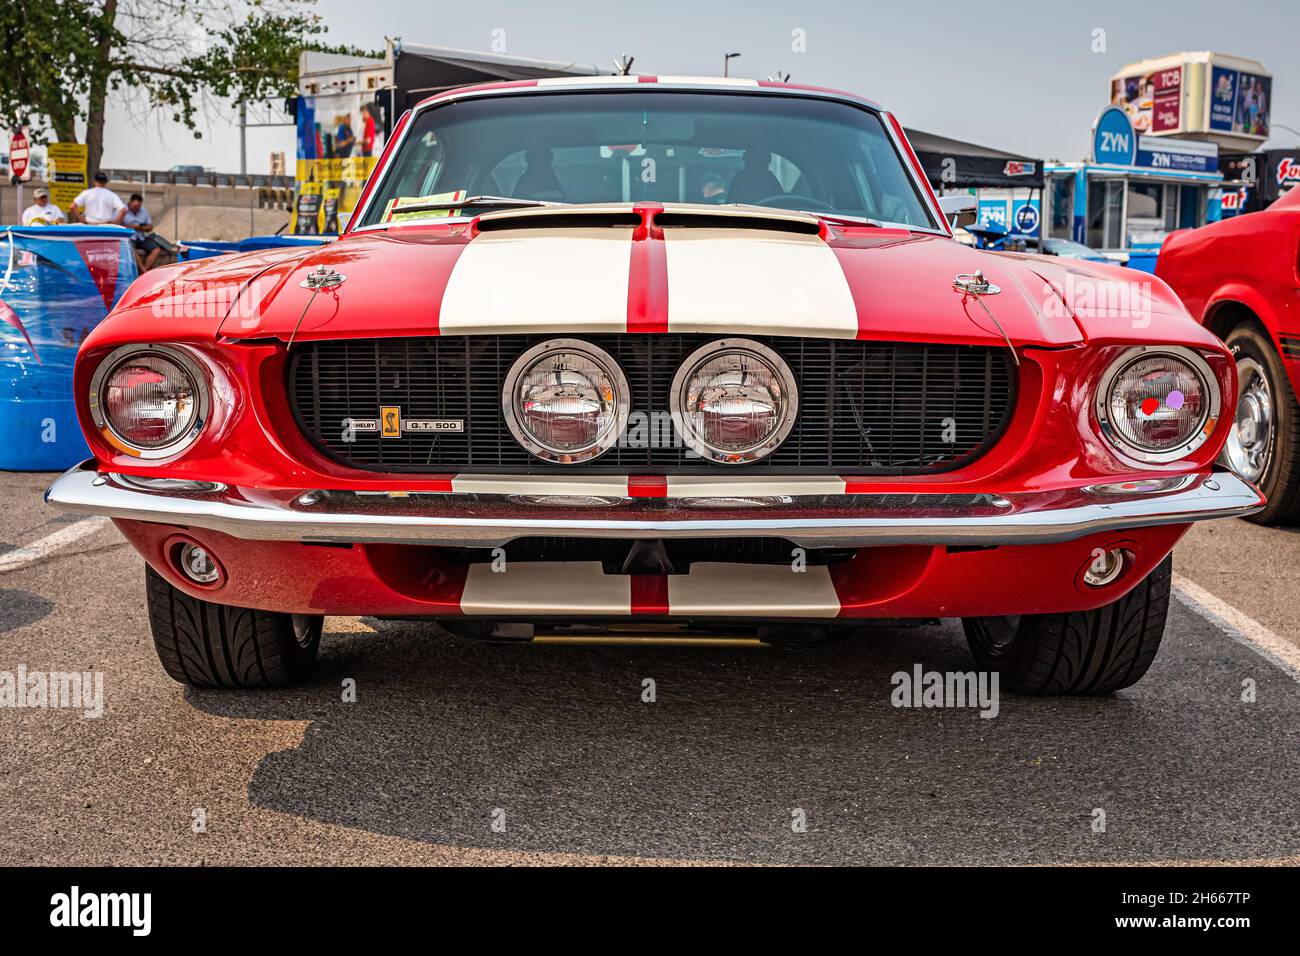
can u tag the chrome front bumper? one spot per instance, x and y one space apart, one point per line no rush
491 520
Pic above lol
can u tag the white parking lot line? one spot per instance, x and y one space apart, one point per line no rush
1241 627
43 547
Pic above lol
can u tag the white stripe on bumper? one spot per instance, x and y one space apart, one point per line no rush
566 589
752 590
582 589
541 485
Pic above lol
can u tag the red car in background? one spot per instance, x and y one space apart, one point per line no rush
1241 279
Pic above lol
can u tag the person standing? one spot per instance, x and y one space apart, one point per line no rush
43 212
344 138
99 204
147 246
367 130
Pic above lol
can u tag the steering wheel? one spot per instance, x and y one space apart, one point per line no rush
780 200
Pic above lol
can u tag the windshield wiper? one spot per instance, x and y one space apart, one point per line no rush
474 202
845 220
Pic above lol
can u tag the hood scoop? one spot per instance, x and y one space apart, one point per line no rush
736 219
650 215
551 218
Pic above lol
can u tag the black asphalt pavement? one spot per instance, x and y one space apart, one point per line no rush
447 737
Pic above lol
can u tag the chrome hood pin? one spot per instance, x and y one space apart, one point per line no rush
974 284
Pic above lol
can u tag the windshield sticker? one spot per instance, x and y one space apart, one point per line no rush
393 212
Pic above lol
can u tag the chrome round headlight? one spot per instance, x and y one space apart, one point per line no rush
1158 403
566 401
734 400
149 401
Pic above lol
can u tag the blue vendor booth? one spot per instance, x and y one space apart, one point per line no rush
1134 191
58 283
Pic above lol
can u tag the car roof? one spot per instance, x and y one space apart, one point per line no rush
579 83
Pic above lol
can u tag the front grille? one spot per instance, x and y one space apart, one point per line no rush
864 407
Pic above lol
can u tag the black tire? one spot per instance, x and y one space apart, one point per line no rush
1081 652
1280 480
214 645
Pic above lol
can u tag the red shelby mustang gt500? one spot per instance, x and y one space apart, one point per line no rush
692 353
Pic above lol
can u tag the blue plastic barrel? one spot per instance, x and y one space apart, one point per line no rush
56 284
253 243
206 248
1144 260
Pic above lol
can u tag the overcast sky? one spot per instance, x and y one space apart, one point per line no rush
1017 76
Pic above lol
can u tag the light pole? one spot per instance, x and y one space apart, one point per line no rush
726 62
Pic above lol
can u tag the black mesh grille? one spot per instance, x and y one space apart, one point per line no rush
864 407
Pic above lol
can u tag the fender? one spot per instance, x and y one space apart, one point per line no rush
1249 297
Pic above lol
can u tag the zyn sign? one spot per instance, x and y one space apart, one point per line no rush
1114 142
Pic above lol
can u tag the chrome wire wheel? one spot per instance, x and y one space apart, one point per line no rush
1250 443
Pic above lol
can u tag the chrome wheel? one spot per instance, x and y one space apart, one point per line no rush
1250 443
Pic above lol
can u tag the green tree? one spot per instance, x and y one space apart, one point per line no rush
61 59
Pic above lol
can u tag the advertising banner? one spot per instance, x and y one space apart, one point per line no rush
1233 202
1286 174
61 282
1019 217
1177 154
1115 143
1026 217
993 212
1153 101
1240 102
340 137
68 172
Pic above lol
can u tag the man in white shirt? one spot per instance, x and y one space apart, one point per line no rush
99 204
43 212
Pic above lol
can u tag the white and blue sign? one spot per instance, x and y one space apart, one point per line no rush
993 211
1026 217
1114 143
1178 154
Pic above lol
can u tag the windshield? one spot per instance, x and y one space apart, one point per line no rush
782 151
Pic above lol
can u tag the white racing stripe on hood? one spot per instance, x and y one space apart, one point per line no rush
782 283
540 280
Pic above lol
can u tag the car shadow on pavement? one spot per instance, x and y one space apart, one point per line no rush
20 608
741 745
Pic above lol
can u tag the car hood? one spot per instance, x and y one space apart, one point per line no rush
644 269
